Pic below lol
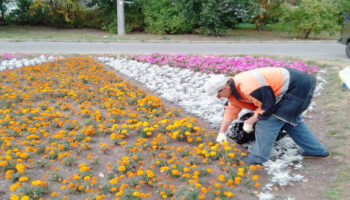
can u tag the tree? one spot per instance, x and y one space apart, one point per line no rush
342 6
3 9
212 17
105 13
60 12
165 16
310 17
21 15
260 8
229 14
264 11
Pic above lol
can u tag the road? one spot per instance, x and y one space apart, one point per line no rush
329 50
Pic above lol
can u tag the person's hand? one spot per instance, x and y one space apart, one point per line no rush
221 138
248 124
248 128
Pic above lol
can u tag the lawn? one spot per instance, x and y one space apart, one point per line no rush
243 32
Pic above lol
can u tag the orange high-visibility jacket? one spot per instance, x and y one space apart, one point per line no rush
259 90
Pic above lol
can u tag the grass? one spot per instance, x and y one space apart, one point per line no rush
337 109
244 32
333 132
253 26
336 192
333 194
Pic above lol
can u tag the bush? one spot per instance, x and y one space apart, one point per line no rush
3 9
264 12
21 15
310 17
210 18
217 16
165 16
342 6
58 13
102 14
134 17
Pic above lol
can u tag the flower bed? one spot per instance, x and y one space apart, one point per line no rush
220 64
71 128
7 56
184 87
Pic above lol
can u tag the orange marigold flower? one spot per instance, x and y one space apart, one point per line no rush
20 168
252 167
25 197
37 182
122 168
228 194
257 185
54 194
23 179
15 186
209 170
237 180
76 176
255 177
221 178
113 181
14 197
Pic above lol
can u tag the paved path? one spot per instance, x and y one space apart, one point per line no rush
316 50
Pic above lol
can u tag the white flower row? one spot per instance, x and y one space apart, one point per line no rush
179 86
17 63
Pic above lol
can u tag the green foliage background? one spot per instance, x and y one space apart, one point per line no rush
310 17
212 17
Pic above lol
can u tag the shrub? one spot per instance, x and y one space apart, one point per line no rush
134 17
310 17
217 16
164 16
210 18
59 13
102 14
21 15
263 12
342 6
3 9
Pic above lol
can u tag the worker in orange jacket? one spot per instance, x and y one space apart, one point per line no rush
278 97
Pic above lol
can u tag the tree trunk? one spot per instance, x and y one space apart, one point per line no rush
307 33
259 25
2 18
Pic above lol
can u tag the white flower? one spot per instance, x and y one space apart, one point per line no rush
265 196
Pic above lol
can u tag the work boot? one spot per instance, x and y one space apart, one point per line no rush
248 161
324 156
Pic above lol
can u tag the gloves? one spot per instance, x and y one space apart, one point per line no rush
248 128
221 138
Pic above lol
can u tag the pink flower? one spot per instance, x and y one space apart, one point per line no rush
220 64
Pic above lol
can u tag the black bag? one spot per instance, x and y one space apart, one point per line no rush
237 133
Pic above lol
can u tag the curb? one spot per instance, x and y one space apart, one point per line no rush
180 41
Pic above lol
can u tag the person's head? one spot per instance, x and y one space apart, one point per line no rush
218 86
